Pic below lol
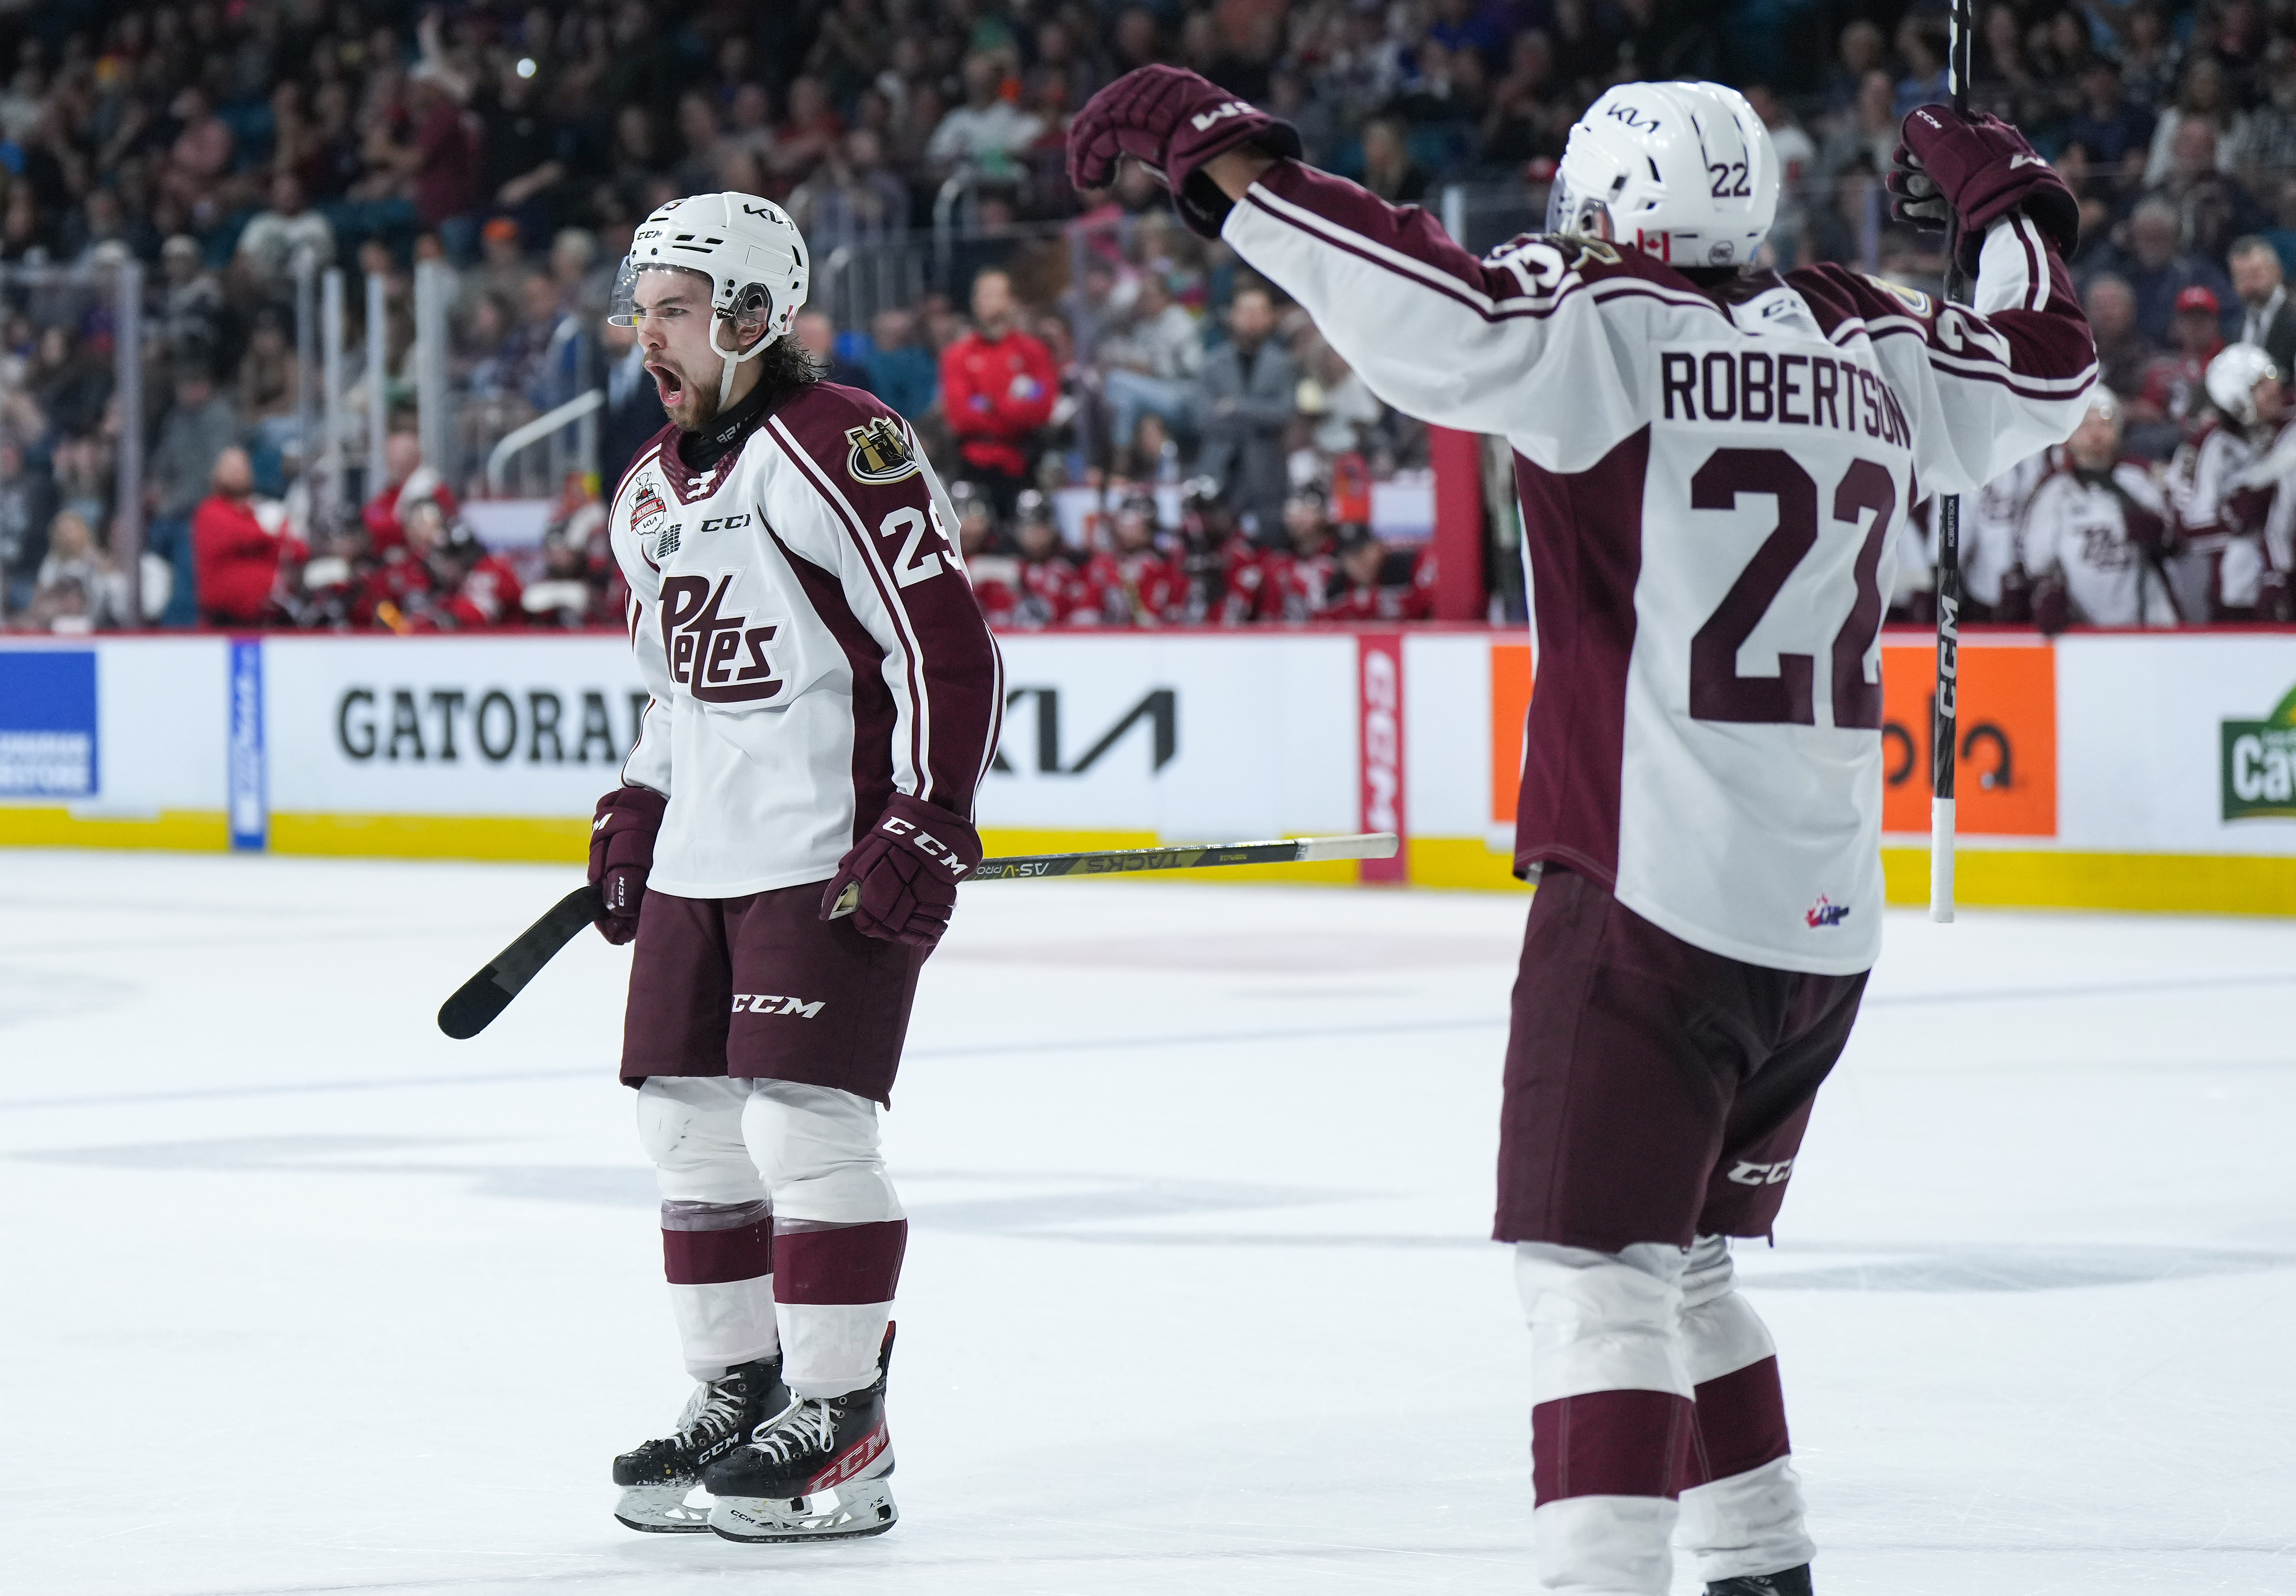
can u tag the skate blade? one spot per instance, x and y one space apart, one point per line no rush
847 1512
662 1511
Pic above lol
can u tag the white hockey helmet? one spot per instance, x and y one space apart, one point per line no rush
1684 171
2232 379
747 246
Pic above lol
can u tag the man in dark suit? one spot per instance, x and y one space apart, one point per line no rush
2268 315
1247 394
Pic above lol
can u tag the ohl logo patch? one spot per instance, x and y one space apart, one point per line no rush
1826 913
646 507
719 659
881 452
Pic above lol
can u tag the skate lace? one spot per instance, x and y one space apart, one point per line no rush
806 1426
712 1410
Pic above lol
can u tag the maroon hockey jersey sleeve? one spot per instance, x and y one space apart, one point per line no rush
884 528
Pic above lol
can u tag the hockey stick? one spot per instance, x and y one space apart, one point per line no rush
1184 856
1944 734
477 1000
486 994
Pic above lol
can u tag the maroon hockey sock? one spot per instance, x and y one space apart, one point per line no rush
1740 1424
710 1244
825 1264
1609 1444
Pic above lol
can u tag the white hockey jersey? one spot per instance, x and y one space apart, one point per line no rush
2220 522
1707 479
1988 527
2080 531
803 621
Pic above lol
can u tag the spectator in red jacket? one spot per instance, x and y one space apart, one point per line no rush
1375 583
997 387
237 557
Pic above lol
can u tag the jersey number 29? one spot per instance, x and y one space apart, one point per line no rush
1716 691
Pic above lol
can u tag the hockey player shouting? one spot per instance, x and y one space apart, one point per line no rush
1711 461
825 698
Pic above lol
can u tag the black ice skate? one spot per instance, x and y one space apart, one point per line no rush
1787 1582
815 1472
658 1477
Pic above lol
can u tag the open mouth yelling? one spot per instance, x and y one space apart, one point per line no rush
668 384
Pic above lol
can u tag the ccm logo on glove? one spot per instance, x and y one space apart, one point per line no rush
925 843
899 881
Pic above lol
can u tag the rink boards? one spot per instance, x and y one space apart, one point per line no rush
2100 770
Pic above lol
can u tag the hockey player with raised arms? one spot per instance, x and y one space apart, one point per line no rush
1710 459
825 698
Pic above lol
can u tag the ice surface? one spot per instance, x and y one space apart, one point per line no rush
296 1296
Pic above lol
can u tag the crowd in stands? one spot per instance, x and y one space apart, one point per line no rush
1141 432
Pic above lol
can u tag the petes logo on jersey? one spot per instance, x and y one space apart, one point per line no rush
719 659
1826 913
881 452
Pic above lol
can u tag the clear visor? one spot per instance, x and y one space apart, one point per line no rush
1568 209
622 305
751 312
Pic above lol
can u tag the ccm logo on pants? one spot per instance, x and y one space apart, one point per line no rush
1745 1174
768 1003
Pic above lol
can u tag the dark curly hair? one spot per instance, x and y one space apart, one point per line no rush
786 365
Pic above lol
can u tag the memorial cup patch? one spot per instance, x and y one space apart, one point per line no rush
881 452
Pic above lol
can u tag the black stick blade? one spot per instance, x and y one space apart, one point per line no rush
486 994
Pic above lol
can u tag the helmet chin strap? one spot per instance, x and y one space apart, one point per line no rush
732 359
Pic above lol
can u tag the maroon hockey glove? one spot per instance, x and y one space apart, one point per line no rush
1171 121
621 853
899 881
1983 169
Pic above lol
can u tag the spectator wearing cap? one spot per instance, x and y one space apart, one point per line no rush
2175 384
2268 319
502 268
1243 402
276 236
997 387
240 548
199 426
